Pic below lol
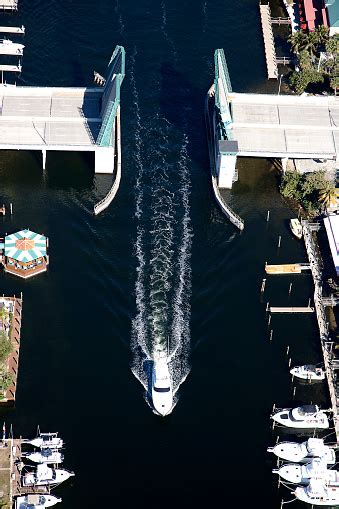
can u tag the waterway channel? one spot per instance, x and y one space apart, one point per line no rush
85 321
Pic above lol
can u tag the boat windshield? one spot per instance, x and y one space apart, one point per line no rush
161 389
311 368
307 410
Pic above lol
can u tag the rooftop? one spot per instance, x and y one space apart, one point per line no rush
333 12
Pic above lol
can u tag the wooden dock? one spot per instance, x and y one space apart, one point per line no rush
13 359
287 268
292 309
9 5
266 24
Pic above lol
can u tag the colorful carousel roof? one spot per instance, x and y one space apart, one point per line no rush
25 246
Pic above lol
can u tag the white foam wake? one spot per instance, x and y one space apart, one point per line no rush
162 248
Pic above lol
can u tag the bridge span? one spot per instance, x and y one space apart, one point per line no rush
272 126
65 118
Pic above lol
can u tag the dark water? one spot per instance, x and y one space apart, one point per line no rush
161 261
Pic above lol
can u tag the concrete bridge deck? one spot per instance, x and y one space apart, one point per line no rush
285 126
62 118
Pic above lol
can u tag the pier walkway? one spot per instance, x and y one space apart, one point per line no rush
266 23
326 345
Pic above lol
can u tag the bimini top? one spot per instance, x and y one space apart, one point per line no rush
25 246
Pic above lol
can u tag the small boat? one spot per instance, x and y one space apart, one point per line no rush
302 417
296 228
308 372
318 493
45 476
36 501
162 392
45 455
50 440
302 453
301 474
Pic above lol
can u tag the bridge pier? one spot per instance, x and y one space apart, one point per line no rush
226 161
284 161
104 159
44 155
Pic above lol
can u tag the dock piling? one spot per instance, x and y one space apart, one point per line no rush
269 321
289 290
271 334
11 208
295 388
263 284
268 216
287 350
290 362
279 241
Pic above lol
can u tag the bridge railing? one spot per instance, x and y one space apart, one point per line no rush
111 96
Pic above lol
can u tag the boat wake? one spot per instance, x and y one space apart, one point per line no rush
162 249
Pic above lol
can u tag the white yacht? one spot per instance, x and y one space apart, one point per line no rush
36 501
318 493
304 452
296 228
308 372
45 455
162 390
302 417
50 440
301 474
45 476
8 47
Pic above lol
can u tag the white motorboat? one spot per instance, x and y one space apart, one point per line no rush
45 476
8 47
308 372
296 228
302 417
301 474
36 501
45 455
162 391
50 440
304 452
318 493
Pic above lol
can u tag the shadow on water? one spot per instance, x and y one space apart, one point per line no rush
178 104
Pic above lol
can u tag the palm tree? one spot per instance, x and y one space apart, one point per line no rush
298 41
328 195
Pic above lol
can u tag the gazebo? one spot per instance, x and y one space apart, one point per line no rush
25 253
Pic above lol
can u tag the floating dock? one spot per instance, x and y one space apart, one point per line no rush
266 24
287 268
12 30
305 309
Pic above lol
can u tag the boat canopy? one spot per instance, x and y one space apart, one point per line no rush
308 409
316 488
316 446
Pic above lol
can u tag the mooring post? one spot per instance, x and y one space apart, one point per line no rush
263 285
268 216
295 388
269 321
271 334
287 350
279 241
290 289
289 362
11 208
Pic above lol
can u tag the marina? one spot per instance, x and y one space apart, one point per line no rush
20 481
